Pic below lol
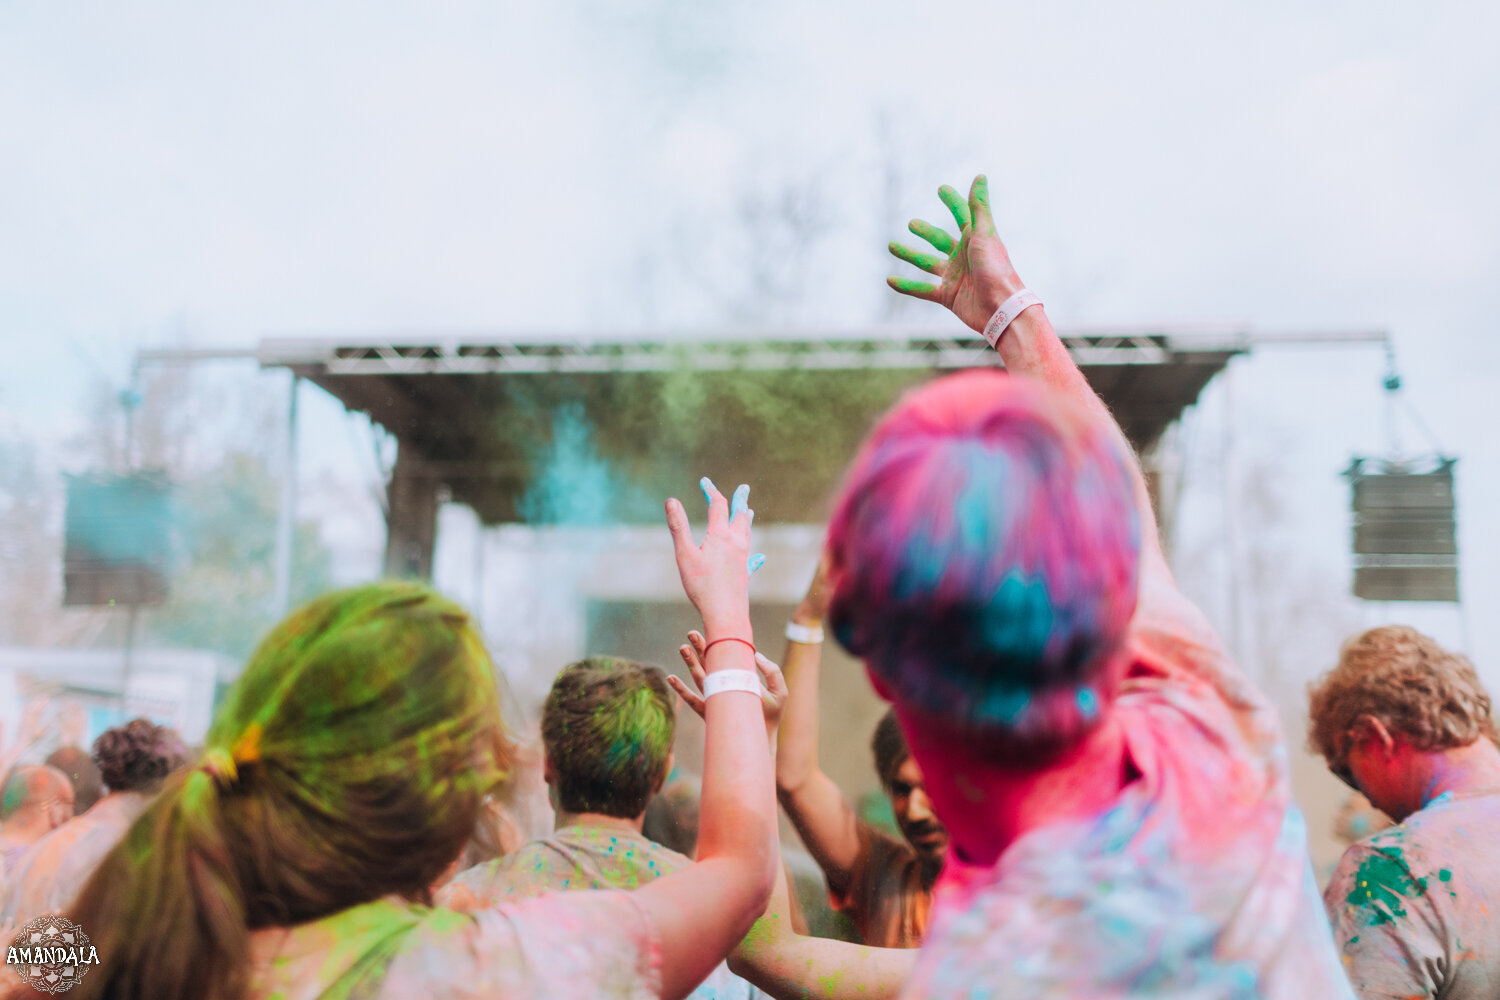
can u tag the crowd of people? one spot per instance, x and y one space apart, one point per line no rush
1092 799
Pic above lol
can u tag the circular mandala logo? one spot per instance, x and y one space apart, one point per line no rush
51 954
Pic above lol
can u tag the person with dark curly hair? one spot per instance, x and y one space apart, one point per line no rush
1409 724
133 760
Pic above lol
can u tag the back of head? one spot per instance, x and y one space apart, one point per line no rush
984 556
138 756
33 789
78 764
608 725
1418 690
349 762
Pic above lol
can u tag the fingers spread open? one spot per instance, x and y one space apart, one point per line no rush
928 262
916 289
979 206
691 698
956 205
939 238
738 504
775 680
718 507
682 531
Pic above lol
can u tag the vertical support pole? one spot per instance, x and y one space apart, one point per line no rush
411 515
286 512
132 613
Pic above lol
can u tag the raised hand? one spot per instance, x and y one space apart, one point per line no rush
773 684
715 575
975 269
813 607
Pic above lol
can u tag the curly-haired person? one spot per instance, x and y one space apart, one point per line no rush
1408 723
133 760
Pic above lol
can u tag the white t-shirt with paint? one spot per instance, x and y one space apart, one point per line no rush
1410 906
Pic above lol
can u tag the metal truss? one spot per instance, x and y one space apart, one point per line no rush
777 352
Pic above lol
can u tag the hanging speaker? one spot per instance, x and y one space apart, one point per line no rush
116 538
1405 531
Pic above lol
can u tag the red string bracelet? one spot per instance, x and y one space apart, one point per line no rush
727 638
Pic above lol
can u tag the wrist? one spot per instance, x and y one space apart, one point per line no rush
996 291
728 628
808 617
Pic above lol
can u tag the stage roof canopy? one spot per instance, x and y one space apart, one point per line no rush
592 431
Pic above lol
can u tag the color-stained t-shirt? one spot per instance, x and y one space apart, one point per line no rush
575 857
1195 883
53 871
581 857
1410 906
887 898
582 946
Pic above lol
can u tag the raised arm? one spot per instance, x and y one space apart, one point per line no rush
824 819
976 279
703 911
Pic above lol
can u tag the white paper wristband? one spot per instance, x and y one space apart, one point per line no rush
731 680
1007 313
809 635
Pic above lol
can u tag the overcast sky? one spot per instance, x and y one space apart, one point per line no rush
176 169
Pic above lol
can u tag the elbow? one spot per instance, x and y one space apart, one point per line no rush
789 782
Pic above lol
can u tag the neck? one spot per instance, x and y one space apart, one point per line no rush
1458 770
987 805
598 819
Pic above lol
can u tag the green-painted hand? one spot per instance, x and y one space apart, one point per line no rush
975 270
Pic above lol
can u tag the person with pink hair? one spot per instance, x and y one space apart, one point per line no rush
1116 793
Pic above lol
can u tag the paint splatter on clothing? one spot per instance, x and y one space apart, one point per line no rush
1195 883
581 857
887 898
560 946
53 872
1410 906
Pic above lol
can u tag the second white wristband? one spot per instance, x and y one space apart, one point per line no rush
808 635
731 680
1007 313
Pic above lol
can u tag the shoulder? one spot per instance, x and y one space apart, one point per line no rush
560 944
485 882
1378 879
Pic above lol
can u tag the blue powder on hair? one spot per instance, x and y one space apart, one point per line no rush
1018 619
1005 704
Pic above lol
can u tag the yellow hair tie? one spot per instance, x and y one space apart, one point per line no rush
219 765
247 747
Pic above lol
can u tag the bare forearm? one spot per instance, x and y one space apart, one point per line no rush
1031 347
788 965
738 803
797 739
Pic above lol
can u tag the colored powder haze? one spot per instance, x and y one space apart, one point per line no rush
185 171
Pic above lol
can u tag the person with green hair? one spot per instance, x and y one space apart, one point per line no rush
607 730
345 773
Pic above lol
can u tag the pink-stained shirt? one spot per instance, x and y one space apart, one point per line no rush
1194 883
52 873
1410 905
574 946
